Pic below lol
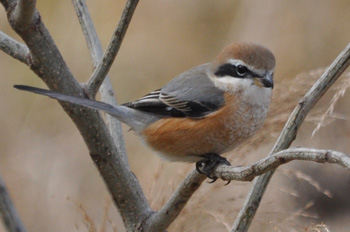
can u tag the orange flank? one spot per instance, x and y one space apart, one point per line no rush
181 139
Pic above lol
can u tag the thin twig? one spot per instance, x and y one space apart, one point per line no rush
106 90
289 133
8 212
273 162
14 48
89 31
105 63
24 13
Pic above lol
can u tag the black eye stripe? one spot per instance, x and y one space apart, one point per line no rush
238 71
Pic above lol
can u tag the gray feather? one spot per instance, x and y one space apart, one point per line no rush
193 86
137 120
191 94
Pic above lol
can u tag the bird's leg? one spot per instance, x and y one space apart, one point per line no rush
208 163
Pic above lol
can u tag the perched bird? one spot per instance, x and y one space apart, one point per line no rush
203 112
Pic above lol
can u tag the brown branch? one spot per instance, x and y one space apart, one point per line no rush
8 213
14 48
289 133
105 63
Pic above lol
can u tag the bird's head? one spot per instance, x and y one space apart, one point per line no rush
241 66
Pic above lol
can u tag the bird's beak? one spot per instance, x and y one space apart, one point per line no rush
267 80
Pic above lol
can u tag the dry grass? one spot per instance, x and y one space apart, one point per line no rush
301 176
282 220
90 224
318 228
329 113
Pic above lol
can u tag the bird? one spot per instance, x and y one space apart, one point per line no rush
202 113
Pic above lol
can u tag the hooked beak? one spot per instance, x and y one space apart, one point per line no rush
267 81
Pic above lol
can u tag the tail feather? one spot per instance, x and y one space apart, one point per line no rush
135 119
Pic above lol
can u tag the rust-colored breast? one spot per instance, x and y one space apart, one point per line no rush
182 139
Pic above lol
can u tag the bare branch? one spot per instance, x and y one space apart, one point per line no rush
14 48
161 220
289 133
106 90
89 31
273 162
23 14
8 212
107 95
105 63
49 65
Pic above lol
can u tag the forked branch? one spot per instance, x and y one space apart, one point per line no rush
49 65
106 90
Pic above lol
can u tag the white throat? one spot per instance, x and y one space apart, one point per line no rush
243 87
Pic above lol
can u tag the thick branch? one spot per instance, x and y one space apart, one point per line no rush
23 14
105 63
8 213
273 162
289 133
13 48
49 65
107 95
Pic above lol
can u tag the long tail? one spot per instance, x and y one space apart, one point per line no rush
137 120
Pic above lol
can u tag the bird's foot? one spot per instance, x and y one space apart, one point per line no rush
207 165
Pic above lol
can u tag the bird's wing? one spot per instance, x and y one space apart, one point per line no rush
191 94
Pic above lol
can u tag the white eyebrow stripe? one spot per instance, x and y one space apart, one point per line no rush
251 68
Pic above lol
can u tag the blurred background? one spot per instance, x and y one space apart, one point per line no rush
45 163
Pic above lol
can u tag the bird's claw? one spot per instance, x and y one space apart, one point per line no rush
207 165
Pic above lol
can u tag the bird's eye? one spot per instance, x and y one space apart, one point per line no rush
241 70
237 71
